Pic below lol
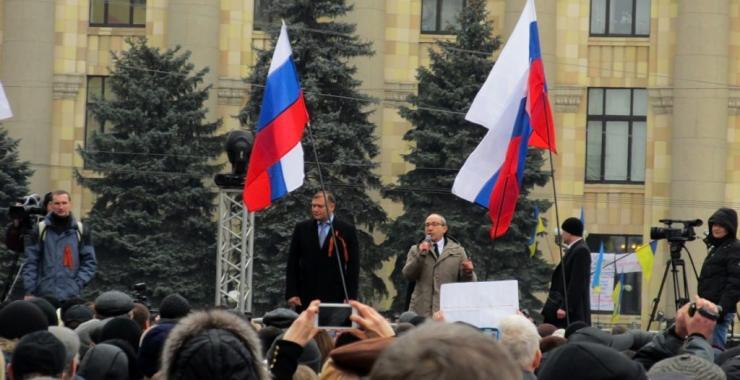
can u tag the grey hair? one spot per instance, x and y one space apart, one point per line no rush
520 337
445 351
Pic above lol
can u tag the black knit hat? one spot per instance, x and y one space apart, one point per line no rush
691 365
19 318
215 354
47 308
573 226
588 361
121 328
39 353
174 306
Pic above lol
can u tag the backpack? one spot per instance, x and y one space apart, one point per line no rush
42 231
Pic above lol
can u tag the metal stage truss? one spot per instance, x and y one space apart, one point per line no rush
235 252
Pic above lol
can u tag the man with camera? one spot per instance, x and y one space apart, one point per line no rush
719 280
60 258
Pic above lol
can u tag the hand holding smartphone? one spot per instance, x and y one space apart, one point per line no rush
336 316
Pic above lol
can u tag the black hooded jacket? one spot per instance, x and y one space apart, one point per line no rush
719 280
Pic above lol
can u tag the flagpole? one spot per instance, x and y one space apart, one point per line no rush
326 204
557 212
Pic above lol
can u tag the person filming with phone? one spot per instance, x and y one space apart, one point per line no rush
435 261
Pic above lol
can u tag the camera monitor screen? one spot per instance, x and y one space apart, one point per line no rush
335 316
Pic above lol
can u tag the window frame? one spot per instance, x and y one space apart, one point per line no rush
88 100
118 25
604 119
633 26
437 19
636 280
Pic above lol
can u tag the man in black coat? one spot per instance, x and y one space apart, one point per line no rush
313 271
577 275
719 280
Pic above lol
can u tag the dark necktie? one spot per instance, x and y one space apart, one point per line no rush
435 248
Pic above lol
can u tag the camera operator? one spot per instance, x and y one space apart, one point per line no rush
719 280
60 258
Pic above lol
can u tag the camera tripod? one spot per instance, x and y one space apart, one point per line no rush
677 266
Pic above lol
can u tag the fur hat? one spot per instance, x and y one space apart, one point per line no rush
197 339
359 357
573 226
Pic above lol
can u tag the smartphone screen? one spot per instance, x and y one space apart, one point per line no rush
491 331
335 315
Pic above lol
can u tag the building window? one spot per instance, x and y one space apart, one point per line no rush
620 18
96 90
125 13
632 287
615 135
440 16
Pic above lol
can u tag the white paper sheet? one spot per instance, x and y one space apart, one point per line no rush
482 304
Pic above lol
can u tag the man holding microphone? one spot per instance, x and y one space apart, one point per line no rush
437 260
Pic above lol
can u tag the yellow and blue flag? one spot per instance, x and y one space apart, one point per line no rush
596 279
645 256
538 230
617 298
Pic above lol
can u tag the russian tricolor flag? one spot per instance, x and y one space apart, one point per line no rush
276 163
514 106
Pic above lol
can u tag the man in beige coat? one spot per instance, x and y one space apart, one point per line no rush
435 261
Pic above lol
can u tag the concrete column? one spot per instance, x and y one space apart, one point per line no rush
546 22
370 23
698 134
194 25
27 73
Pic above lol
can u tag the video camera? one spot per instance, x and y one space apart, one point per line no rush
25 208
686 233
138 293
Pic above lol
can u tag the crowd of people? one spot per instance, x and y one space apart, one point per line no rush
116 338
53 333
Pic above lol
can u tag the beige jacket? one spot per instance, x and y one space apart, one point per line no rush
430 275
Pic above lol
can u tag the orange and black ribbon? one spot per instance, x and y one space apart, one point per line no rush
342 242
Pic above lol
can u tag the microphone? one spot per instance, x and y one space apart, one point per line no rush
428 239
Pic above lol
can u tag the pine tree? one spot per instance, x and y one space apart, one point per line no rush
344 139
153 213
14 175
442 140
